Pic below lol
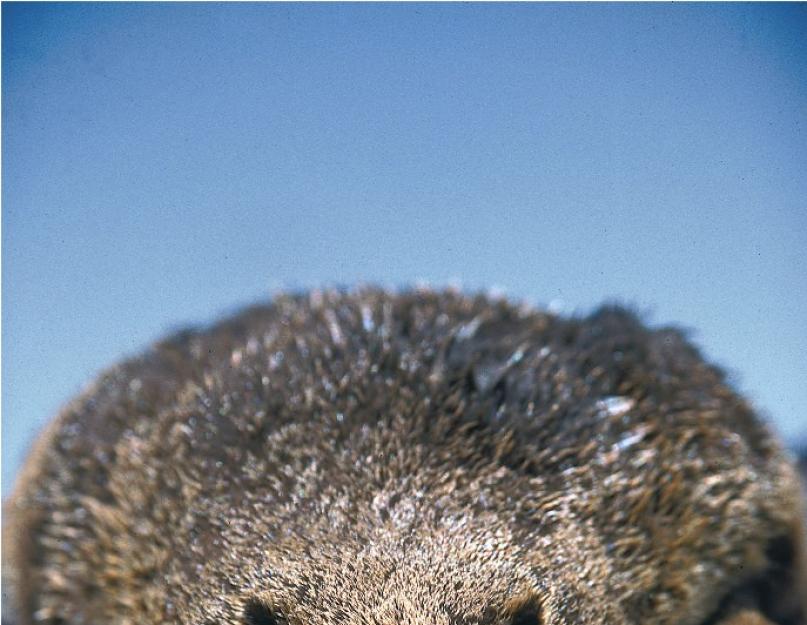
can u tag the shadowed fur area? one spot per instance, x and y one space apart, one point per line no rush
420 458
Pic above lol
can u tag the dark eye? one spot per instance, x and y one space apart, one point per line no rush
770 596
256 613
527 614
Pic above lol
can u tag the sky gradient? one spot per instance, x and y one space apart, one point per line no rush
166 164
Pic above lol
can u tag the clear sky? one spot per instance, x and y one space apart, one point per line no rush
164 164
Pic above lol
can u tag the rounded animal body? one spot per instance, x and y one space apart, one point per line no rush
421 458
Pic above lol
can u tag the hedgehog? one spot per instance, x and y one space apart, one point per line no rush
422 457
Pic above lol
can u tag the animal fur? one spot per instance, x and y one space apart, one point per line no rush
416 459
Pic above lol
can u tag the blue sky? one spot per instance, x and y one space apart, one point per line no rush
165 164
